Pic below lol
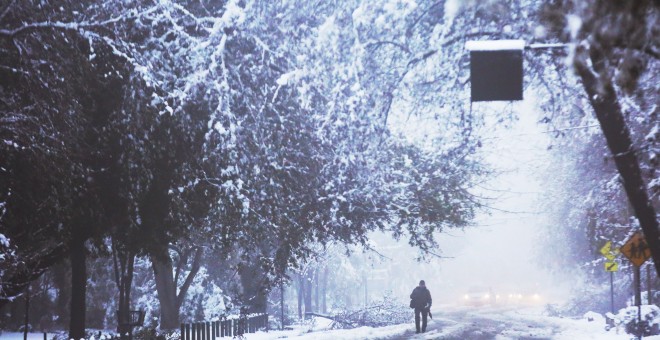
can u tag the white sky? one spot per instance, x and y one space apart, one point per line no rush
500 250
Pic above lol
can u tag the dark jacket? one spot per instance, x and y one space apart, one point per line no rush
421 298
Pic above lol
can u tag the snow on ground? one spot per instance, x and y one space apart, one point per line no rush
450 322
19 336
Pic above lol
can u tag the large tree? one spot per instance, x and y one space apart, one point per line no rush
229 133
602 45
616 56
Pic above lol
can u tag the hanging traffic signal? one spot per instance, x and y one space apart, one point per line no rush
496 70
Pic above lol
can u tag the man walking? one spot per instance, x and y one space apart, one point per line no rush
421 301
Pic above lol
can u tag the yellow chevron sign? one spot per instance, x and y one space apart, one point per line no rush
609 252
611 266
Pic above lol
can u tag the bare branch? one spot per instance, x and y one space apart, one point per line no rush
70 26
191 276
377 44
6 10
419 18
14 70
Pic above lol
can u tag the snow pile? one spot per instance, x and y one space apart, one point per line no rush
382 313
628 318
594 317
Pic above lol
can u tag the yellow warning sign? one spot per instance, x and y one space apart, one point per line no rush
636 249
606 248
611 266
609 252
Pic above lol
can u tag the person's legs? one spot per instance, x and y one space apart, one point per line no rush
417 311
425 314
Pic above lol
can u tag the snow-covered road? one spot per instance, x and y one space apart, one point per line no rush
454 322
474 323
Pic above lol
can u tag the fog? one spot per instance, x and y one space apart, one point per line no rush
500 250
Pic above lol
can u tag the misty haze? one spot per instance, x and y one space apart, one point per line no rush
358 169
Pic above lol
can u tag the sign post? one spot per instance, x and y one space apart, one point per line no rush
637 251
610 266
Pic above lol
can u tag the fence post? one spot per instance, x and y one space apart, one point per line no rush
183 332
188 331
212 330
194 331
222 328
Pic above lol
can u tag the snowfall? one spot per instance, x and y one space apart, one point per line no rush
452 322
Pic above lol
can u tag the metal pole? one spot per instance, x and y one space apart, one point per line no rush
282 305
539 46
612 291
649 297
638 293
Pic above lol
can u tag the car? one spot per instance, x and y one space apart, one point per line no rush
525 297
479 296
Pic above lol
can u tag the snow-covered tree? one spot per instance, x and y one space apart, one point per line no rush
615 58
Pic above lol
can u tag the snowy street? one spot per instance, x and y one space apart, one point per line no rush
313 169
475 323
451 322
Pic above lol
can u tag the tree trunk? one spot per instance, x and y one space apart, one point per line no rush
27 313
316 291
254 295
324 306
63 286
604 100
308 292
78 287
170 302
124 267
282 306
300 293
166 288
194 269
